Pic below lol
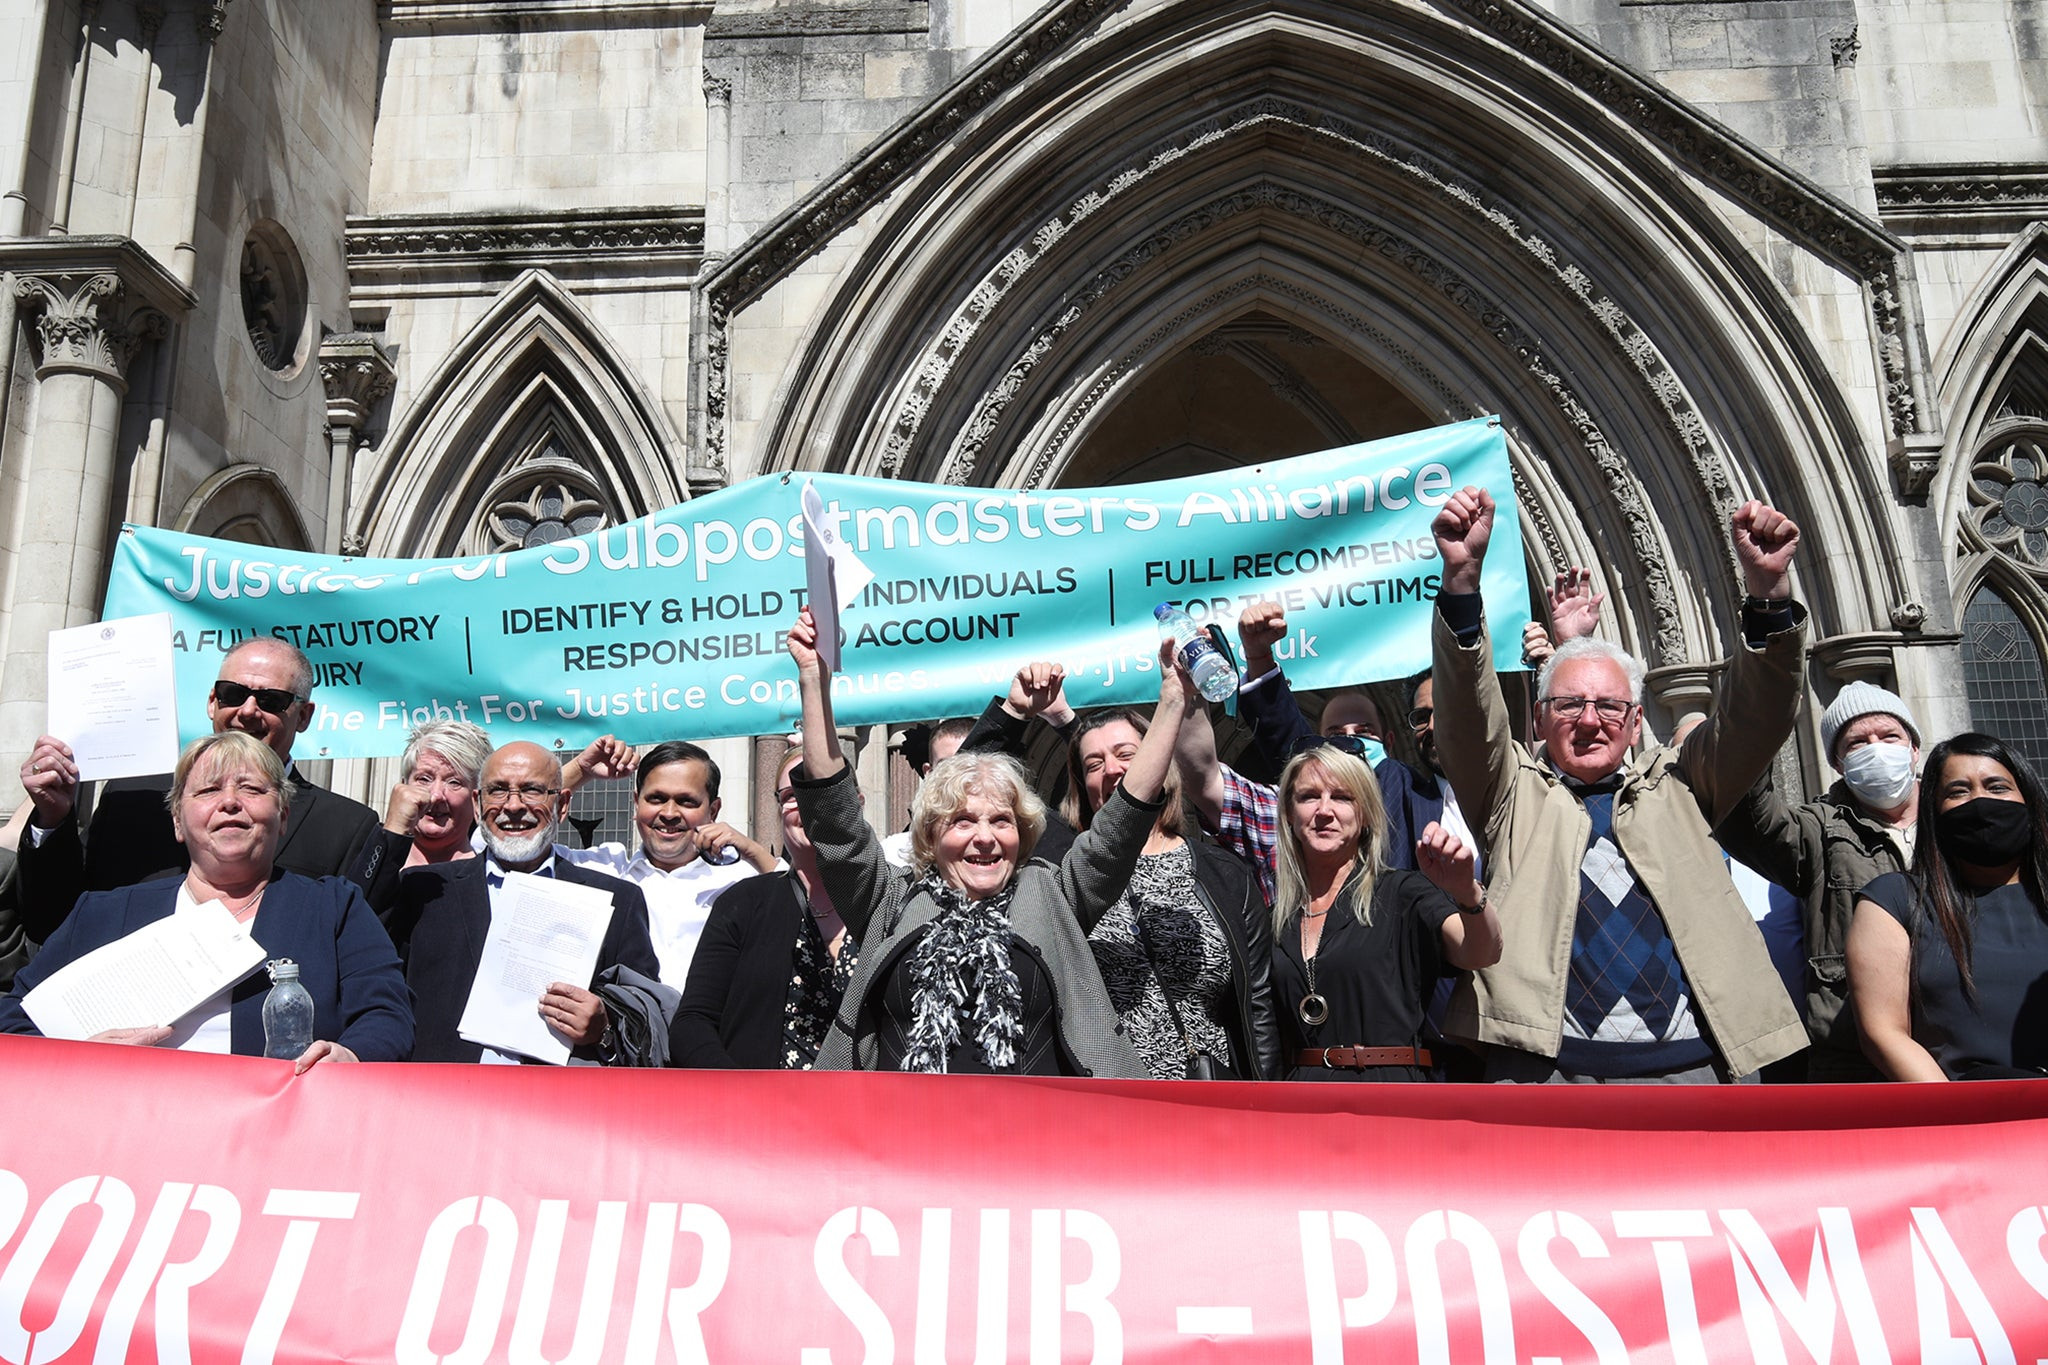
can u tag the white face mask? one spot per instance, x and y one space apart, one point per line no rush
1881 775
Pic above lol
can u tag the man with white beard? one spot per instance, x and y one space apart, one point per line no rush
444 911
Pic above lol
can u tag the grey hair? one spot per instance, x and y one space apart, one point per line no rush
1588 647
465 745
996 777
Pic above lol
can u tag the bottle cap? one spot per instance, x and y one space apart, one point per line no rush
282 969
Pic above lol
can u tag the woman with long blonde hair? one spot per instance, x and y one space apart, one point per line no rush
1357 948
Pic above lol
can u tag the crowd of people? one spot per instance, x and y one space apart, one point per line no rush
1584 906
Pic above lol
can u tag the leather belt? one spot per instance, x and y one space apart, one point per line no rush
1358 1058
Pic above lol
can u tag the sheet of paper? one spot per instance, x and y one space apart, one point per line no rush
835 578
113 697
543 930
154 976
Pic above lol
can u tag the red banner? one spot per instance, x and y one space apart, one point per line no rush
170 1207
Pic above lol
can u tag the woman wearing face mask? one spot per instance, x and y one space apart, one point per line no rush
1947 964
1828 849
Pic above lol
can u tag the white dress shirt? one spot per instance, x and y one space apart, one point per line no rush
678 902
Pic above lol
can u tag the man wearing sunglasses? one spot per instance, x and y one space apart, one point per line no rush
1629 955
263 689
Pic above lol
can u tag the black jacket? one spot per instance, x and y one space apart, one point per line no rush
130 840
438 926
1231 893
738 987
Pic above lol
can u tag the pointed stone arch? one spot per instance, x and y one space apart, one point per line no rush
1375 162
1993 371
535 392
245 502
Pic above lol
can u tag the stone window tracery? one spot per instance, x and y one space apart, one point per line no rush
2009 499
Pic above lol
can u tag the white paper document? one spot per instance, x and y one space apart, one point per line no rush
153 977
113 696
543 930
832 573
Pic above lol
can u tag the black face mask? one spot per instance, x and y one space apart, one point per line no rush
1985 832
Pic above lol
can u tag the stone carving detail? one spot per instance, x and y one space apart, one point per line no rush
212 18
1843 47
84 323
269 307
552 508
391 239
717 90
358 374
2008 499
2019 189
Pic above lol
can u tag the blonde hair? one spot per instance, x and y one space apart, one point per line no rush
998 777
1074 805
228 751
1353 775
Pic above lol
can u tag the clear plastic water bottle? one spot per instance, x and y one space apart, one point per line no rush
287 1012
1215 676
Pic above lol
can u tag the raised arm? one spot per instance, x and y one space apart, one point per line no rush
1098 867
1758 697
822 757
1201 770
855 871
1266 702
1038 691
1473 737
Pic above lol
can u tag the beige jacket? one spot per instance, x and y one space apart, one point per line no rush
1534 835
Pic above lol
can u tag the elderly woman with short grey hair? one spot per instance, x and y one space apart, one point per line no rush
977 960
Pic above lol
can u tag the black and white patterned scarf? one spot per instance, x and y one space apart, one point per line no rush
961 971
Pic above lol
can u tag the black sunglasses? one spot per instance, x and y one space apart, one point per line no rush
275 700
1350 744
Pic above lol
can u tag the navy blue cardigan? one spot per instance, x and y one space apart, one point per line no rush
346 961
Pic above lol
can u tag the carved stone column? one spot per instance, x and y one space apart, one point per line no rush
358 373
93 302
1682 689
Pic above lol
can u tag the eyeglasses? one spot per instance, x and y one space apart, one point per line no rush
275 700
785 796
1611 710
1421 716
499 794
1354 745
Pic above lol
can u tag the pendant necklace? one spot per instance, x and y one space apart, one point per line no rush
1313 1009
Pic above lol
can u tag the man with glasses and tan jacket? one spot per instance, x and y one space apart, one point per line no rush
1629 956
264 689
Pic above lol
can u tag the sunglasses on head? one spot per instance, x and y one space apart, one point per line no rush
1355 745
275 700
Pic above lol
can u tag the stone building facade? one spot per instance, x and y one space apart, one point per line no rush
420 277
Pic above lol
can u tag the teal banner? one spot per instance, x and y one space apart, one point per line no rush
671 626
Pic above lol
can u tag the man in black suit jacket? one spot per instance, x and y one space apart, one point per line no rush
265 689
443 912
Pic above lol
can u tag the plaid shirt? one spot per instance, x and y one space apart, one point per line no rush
1249 824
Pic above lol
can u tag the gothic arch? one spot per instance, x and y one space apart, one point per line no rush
1993 370
1370 161
535 391
245 502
